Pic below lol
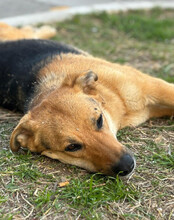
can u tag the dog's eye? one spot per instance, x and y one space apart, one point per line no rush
73 147
100 122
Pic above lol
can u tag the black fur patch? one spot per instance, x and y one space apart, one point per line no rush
20 62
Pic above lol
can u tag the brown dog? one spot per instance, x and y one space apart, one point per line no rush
76 103
8 32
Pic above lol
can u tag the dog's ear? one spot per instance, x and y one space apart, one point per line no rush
23 134
87 81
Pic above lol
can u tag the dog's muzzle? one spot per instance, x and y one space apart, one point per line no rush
125 166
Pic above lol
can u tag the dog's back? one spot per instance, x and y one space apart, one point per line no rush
20 62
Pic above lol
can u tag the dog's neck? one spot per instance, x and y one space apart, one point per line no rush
51 81
46 84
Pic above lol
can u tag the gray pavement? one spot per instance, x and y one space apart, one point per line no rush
23 12
11 8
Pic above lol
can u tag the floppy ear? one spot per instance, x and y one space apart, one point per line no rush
23 135
87 81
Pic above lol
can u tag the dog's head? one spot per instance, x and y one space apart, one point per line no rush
72 125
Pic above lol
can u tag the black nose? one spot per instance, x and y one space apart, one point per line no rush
125 165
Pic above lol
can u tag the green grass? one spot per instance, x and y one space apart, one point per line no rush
2 199
27 172
23 166
6 216
142 25
88 194
44 197
29 183
93 192
164 159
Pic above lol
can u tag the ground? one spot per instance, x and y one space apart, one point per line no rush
31 184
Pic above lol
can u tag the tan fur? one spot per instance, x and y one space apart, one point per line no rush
8 32
61 110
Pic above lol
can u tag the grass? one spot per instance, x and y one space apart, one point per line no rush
142 25
166 160
29 186
88 194
93 192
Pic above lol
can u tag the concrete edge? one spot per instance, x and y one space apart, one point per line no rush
53 16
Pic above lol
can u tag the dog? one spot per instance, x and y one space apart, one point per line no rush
8 32
75 103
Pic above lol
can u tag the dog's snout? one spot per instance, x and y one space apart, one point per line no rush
125 165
